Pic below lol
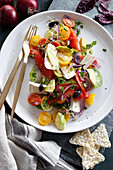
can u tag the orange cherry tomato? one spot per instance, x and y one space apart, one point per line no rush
34 99
44 118
68 22
60 101
56 43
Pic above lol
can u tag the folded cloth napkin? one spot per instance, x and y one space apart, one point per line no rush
20 148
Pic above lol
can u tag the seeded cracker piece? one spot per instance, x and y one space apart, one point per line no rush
100 137
80 150
91 157
82 138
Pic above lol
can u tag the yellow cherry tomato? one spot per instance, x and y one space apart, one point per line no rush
64 33
90 99
64 57
44 118
34 40
44 104
58 73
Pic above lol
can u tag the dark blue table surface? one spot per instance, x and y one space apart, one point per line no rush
4 31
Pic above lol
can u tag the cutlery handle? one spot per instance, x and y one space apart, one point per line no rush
19 85
10 79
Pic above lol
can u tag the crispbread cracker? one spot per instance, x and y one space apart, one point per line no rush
91 157
80 150
82 138
100 137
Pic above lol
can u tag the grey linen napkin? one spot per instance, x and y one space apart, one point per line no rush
20 148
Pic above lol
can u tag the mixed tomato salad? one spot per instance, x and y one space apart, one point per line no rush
65 71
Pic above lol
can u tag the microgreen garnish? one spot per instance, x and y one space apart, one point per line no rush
55 93
73 85
61 80
62 88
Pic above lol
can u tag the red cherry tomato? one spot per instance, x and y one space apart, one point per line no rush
68 22
35 52
74 42
46 72
42 42
34 99
56 43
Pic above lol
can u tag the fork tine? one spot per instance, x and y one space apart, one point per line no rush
32 33
29 30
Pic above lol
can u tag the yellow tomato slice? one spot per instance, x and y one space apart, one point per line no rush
90 99
64 33
58 73
44 104
64 57
34 40
44 118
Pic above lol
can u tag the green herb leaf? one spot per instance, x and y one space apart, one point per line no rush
104 49
62 88
61 80
85 108
33 75
73 85
55 93
78 32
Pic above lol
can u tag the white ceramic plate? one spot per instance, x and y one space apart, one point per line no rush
103 102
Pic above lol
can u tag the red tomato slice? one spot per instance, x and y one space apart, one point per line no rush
86 94
56 43
43 41
69 93
46 72
68 22
34 99
35 52
74 42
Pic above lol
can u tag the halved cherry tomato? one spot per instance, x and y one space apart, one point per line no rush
34 99
69 92
64 57
35 52
56 43
64 33
86 94
34 40
68 22
74 42
46 72
42 42
60 101
44 118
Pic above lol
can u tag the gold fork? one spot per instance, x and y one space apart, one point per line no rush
26 49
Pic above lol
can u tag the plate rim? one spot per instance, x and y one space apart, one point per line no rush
69 12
